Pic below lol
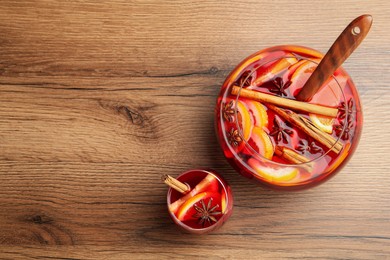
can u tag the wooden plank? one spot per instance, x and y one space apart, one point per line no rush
98 99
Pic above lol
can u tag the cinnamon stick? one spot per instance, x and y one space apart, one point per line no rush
327 137
307 127
293 157
175 184
199 187
285 102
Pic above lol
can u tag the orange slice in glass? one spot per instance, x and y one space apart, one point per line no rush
274 70
304 51
258 112
261 143
300 75
322 122
223 201
186 211
295 66
209 183
283 174
246 121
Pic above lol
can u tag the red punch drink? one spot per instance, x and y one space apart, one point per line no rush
206 206
269 136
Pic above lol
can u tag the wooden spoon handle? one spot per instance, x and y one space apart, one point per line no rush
344 45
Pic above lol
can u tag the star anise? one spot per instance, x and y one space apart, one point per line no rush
279 87
228 111
279 132
234 137
245 79
206 213
346 110
311 147
347 131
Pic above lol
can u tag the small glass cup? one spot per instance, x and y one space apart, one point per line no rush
205 207
259 143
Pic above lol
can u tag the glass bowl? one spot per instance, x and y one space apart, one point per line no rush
206 207
262 144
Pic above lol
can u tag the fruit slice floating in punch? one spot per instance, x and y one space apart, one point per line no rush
274 69
295 66
236 137
258 113
261 143
283 174
209 183
300 75
246 120
323 123
223 201
188 210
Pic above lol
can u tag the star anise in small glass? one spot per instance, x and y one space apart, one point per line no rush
245 79
279 87
346 110
311 147
279 132
347 131
206 213
228 111
234 137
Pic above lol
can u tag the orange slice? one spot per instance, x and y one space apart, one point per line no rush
301 75
189 203
208 183
273 175
184 212
261 143
322 122
274 69
223 201
246 121
243 65
295 66
258 112
304 51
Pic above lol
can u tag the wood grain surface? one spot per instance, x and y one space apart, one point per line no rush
99 98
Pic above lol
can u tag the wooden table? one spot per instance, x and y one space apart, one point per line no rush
99 98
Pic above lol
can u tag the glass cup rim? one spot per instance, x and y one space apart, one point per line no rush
180 223
241 132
